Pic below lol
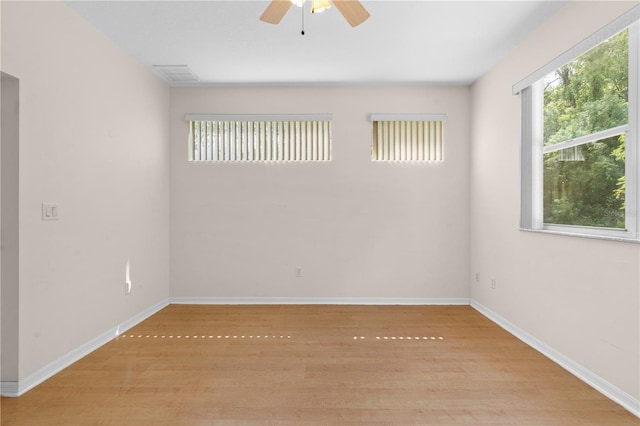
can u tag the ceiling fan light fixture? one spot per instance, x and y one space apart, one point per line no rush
319 6
351 10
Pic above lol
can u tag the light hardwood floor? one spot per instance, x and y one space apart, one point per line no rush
314 365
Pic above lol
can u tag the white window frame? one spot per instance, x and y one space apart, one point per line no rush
532 150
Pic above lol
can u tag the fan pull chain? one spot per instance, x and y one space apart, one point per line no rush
302 14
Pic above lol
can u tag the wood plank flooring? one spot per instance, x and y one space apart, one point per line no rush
314 365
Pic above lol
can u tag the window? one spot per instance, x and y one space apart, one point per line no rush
259 138
407 137
579 156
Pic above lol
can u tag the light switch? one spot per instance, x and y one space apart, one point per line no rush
50 211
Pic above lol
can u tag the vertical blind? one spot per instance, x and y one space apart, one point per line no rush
407 140
259 140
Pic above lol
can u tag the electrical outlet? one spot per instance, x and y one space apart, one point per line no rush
477 277
493 283
299 272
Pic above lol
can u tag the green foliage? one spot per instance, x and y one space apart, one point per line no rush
621 185
585 96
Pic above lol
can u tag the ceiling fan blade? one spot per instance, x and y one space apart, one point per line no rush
353 11
274 13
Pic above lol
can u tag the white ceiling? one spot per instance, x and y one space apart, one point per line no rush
403 42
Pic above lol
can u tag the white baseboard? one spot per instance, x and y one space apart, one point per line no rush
15 389
315 301
601 385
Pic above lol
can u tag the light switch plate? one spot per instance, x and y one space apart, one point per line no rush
50 211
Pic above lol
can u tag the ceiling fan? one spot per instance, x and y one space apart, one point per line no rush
352 10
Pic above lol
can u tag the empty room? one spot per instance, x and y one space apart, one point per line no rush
320 212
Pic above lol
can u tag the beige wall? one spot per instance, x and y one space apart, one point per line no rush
93 138
577 295
99 134
358 229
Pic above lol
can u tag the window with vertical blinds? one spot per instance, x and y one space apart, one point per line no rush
407 137
259 138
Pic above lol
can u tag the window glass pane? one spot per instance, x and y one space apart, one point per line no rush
584 185
589 94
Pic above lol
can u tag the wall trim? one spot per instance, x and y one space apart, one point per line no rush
316 301
601 385
15 389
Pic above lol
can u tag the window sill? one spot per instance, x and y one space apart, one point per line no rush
620 238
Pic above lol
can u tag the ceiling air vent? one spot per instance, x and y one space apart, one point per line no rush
176 73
